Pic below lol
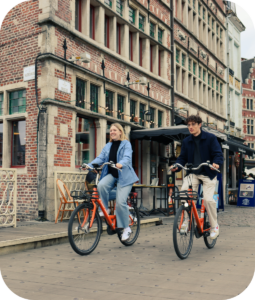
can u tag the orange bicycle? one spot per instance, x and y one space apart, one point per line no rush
183 235
85 225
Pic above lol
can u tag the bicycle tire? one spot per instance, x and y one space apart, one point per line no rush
77 235
135 228
187 238
208 242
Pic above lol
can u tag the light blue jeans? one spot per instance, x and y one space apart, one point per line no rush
122 212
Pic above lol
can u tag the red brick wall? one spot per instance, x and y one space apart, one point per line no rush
64 11
18 49
61 95
64 148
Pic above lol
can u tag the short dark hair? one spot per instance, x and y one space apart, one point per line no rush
251 175
194 118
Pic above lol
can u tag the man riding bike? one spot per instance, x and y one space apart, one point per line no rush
198 148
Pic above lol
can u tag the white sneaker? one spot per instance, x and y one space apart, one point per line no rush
215 231
101 214
126 234
184 227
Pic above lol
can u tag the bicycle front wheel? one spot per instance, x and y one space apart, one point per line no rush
82 238
208 242
134 224
182 240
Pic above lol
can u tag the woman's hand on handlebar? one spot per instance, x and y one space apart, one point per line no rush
119 166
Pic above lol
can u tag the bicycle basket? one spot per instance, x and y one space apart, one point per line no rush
80 195
185 195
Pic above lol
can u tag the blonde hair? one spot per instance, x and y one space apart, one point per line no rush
122 136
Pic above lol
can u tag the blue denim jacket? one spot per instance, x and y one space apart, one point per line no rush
124 157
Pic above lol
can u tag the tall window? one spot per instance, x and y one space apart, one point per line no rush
1 144
84 141
221 88
93 98
190 64
152 111
132 110
78 15
160 117
200 71
217 85
204 75
250 126
80 93
18 151
151 58
130 46
160 36
18 102
183 59
141 22
108 2
248 103
118 38
1 104
131 15
119 7
109 103
159 63
177 55
194 68
107 32
251 104
152 30
254 85
120 107
140 52
141 115
92 22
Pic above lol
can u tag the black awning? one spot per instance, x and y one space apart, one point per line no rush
237 147
163 135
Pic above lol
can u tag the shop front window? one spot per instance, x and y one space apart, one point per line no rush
84 141
18 143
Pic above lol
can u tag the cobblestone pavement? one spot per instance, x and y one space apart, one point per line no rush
149 269
237 216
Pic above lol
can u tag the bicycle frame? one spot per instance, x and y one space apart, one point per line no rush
110 219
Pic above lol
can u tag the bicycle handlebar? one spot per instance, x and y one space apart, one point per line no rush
86 166
189 169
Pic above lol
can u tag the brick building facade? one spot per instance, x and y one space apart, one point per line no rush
200 61
59 117
248 114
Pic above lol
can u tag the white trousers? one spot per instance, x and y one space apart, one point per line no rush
208 192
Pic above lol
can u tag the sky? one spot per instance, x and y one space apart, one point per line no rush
247 37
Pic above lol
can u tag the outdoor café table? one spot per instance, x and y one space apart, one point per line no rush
154 210
157 210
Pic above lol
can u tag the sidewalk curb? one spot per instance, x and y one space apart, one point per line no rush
18 245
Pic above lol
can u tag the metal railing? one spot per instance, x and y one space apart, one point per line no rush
8 197
73 181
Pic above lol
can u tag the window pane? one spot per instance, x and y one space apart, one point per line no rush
18 143
80 93
251 104
120 107
119 7
152 30
108 2
1 144
131 15
141 22
142 109
160 114
132 110
18 102
251 129
92 22
1 104
152 111
248 102
84 141
253 84
109 103
94 98
160 36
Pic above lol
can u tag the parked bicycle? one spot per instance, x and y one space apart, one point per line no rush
183 235
85 224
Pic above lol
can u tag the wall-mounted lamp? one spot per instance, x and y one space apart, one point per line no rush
147 115
185 107
84 57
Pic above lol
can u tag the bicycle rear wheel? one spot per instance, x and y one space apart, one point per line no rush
134 224
83 239
182 241
208 242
